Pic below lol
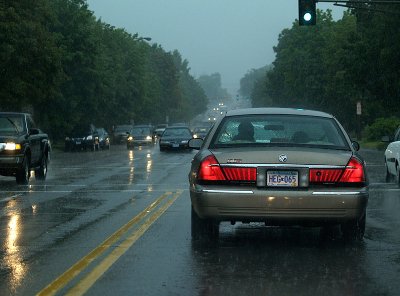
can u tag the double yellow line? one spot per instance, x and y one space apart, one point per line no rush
88 281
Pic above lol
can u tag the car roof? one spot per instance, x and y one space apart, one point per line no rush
15 113
177 127
279 111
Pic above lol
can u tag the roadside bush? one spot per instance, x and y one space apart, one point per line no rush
381 127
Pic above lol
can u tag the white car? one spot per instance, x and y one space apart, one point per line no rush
392 158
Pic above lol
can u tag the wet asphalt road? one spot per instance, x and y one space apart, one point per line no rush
118 223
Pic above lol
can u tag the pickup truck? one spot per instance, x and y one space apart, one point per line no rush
23 147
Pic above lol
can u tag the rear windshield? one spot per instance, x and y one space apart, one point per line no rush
177 132
279 130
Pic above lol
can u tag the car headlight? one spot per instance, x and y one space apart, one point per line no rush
67 138
89 137
195 136
12 146
148 138
130 138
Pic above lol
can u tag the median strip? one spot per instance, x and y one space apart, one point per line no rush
82 264
89 280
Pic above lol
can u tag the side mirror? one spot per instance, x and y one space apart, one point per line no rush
195 143
356 145
33 131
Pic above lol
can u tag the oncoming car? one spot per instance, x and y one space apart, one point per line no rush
140 135
278 166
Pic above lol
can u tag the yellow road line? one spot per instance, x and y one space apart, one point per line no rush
88 281
78 267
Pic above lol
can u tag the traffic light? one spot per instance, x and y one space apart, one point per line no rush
307 12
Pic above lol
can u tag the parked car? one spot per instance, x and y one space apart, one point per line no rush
175 138
392 158
120 133
104 138
23 147
281 167
82 137
140 135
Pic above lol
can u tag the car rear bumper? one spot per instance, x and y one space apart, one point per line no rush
279 206
174 146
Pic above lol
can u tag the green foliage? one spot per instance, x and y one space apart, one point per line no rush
382 127
60 63
212 87
335 64
250 78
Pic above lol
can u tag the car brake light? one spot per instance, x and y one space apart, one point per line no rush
210 170
354 172
240 174
325 175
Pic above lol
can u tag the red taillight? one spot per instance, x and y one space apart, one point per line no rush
240 174
325 175
210 170
354 172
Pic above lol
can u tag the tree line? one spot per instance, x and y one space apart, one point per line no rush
335 64
66 67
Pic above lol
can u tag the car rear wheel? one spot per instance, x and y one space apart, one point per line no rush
203 228
354 230
24 173
41 172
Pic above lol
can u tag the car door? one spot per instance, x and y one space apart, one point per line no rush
34 138
392 153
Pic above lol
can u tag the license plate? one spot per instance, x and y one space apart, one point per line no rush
283 178
175 145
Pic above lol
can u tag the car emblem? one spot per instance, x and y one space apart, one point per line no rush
234 160
283 158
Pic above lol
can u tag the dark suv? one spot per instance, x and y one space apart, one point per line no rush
23 147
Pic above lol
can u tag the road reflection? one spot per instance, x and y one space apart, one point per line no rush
279 261
13 258
131 167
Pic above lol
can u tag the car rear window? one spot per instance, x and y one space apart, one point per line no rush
177 132
280 130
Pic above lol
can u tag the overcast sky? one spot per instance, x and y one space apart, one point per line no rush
225 36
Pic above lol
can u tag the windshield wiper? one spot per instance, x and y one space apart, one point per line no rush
13 123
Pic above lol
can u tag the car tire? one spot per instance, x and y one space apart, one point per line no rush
354 230
24 173
203 228
41 172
